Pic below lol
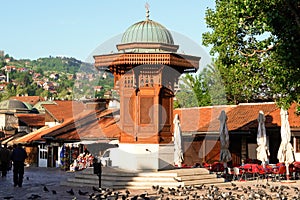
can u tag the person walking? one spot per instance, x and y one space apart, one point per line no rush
18 157
5 159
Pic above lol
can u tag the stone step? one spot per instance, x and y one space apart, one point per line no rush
190 171
196 177
149 181
127 178
204 181
121 179
77 184
140 187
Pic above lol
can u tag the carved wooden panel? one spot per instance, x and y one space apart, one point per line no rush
165 111
146 111
128 110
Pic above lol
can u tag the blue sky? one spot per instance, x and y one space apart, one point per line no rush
35 28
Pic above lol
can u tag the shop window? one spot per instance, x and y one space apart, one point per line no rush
43 151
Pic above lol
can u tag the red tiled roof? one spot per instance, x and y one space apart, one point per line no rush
32 120
244 114
64 110
32 100
87 125
273 119
240 117
31 137
200 118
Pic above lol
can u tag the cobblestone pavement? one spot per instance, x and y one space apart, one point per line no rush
34 181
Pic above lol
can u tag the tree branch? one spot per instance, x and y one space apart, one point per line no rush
255 51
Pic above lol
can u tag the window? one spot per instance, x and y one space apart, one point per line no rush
43 151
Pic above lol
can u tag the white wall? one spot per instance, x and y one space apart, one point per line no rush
138 157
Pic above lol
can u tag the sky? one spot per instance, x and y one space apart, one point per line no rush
32 29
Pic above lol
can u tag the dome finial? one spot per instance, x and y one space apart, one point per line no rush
147 10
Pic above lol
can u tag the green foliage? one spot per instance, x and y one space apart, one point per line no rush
58 64
185 98
21 78
203 89
215 85
256 44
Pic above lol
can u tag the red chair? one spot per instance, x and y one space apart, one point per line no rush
217 167
245 171
262 172
296 169
254 171
279 173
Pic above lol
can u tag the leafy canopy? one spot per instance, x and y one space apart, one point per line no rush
256 46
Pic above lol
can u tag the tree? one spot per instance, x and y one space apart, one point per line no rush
185 98
199 87
10 91
256 44
203 89
215 85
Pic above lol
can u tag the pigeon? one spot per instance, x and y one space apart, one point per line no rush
8 197
45 189
54 192
34 196
127 192
144 195
135 197
96 189
91 195
71 192
82 193
295 188
155 187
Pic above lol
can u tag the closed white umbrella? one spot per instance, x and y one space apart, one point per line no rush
178 152
262 149
225 155
285 152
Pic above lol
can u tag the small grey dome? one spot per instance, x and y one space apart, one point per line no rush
13 104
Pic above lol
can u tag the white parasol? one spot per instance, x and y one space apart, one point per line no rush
285 152
225 155
178 153
262 149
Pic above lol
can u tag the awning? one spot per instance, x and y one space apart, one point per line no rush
9 140
35 136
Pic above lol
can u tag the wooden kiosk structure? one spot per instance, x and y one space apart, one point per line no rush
145 70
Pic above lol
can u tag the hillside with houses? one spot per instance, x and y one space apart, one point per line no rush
52 78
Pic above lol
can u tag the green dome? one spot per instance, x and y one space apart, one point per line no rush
13 104
147 31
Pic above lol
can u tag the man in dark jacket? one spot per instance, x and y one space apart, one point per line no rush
4 158
18 157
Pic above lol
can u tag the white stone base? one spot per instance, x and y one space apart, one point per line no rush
143 157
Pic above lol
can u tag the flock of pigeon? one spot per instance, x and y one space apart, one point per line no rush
202 192
212 192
